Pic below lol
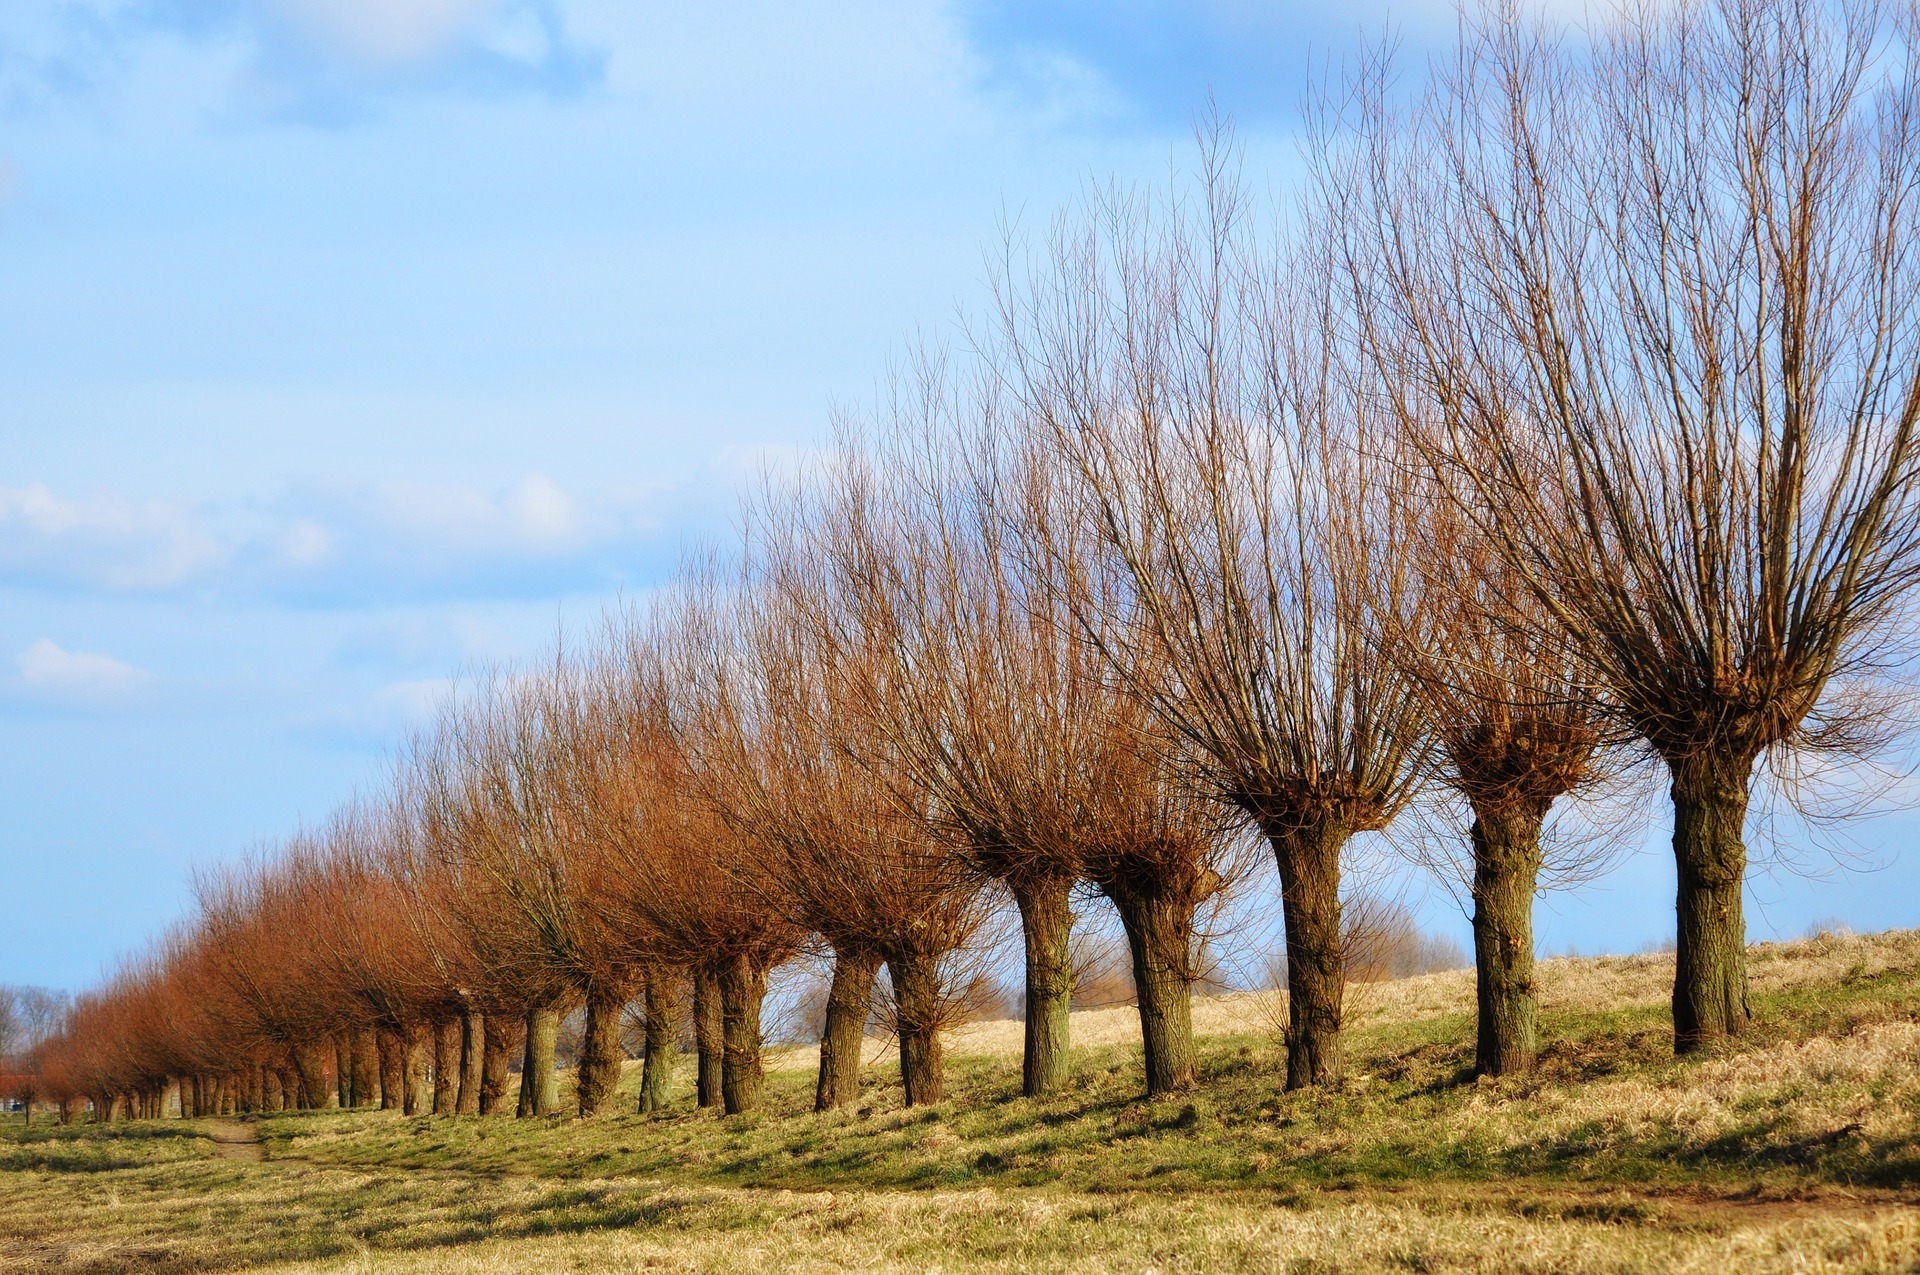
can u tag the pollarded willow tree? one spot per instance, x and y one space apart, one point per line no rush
1662 284
684 883
1189 379
1516 726
502 809
951 561
794 760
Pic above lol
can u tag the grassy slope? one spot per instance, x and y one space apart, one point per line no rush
1795 1150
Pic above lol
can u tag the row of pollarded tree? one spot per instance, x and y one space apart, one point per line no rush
1570 420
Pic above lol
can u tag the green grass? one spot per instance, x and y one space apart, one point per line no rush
1392 1125
1796 1148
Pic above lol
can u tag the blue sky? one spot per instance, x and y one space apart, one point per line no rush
348 343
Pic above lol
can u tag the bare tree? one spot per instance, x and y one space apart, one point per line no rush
504 810
1660 286
683 885
1190 382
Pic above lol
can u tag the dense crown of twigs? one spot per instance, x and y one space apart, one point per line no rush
1570 421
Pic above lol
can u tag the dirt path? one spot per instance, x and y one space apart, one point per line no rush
236 1140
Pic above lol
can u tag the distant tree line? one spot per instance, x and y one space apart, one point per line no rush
1565 424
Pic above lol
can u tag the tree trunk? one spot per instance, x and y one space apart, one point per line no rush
599 1069
1308 856
1710 962
743 985
917 1008
1160 938
663 1038
417 1085
366 1068
473 1057
343 1069
500 1043
1046 920
539 1086
446 1066
707 1036
849 1000
309 1063
1506 874
393 1070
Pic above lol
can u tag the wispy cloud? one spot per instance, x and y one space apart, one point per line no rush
323 61
350 543
103 541
50 671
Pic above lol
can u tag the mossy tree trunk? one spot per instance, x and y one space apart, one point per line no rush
1506 875
473 1059
663 1038
1159 926
539 1087
918 1011
343 1069
849 1000
495 1067
707 1036
743 986
598 1072
1308 855
1710 794
1046 922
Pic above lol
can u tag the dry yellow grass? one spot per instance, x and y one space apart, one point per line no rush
1795 1150
1582 983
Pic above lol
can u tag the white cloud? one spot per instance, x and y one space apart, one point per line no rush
103 541
340 540
541 510
386 32
47 668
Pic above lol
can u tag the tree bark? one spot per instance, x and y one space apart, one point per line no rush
707 1036
663 1038
1046 921
500 1042
917 1009
417 1085
1159 929
447 1038
849 1000
366 1068
743 985
1710 794
473 1057
598 1071
1308 856
1506 874
308 1061
539 1087
393 1070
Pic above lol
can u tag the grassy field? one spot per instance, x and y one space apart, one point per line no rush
1795 1150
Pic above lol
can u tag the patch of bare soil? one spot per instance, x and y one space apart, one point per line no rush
236 1140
